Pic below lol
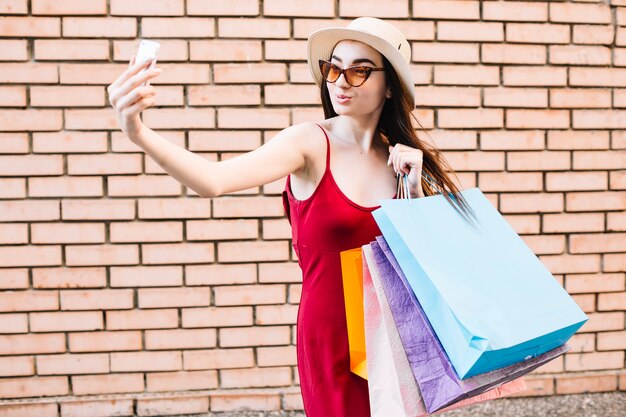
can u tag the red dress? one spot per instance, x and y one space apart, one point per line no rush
323 225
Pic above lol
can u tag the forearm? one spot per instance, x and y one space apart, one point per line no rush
186 167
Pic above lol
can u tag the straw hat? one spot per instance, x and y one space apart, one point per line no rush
380 35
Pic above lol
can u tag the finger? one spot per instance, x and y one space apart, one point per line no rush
132 60
141 105
136 94
135 82
132 69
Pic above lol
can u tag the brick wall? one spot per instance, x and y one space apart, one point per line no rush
117 280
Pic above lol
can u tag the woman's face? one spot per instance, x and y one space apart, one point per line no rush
369 96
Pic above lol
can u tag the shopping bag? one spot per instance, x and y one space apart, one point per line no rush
393 390
490 300
352 277
439 385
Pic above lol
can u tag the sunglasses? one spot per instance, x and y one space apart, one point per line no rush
355 76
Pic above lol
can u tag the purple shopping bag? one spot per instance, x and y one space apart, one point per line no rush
439 384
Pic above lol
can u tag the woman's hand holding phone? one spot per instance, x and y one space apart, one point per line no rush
129 95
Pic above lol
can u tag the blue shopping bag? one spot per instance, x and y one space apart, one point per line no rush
490 300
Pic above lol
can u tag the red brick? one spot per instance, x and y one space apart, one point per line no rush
595 201
536 32
580 55
31 343
516 97
106 407
580 13
67 233
102 299
288 8
145 361
71 49
33 387
17 366
148 8
594 34
585 383
155 253
69 142
180 339
65 187
534 76
518 11
254 336
176 381
441 52
218 358
29 300
147 276
513 54
118 209
375 8
30 119
276 356
225 50
100 27
178 27
14 323
146 232
216 7
93 7
248 378
276 314
574 98
470 118
217 317
222 229
446 9
173 297
594 361
582 342
107 384
142 319
586 283
594 243
285 50
613 301
252 251
225 401
509 181
170 50
104 341
28 73
30 255
143 185
25 165
105 254
220 274
97 363
262 72
62 277
40 27
14 7
180 405
612 340
571 264
572 222
604 322
594 139
599 77
576 181
13 50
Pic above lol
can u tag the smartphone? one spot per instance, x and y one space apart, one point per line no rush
147 50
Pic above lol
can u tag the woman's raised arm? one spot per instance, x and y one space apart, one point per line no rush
282 155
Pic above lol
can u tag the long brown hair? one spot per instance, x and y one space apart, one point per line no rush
395 125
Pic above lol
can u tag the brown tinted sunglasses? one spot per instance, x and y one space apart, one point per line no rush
355 76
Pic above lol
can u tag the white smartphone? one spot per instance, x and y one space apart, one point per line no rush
147 50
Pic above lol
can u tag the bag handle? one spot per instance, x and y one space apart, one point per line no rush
403 189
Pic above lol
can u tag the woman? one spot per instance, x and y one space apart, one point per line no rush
337 170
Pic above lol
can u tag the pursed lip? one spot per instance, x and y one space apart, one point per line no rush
341 96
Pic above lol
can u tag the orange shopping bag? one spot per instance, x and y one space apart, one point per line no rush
352 277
